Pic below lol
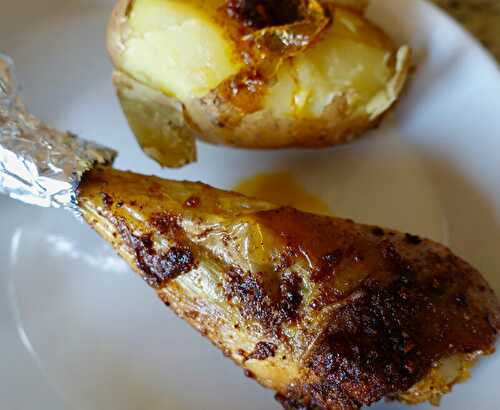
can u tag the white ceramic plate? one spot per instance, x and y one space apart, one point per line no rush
79 331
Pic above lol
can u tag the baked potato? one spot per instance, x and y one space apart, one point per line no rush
251 73
330 314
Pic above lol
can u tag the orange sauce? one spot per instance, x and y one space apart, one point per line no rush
281 188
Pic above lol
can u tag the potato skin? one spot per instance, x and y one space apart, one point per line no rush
336 125
157 122
218 121
263 130
118 29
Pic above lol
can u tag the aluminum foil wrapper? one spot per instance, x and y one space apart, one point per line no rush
40 165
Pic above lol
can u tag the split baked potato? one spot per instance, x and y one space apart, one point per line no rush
251 73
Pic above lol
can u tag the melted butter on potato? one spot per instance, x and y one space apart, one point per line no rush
351 59
176 46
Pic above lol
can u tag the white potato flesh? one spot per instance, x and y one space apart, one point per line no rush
176 47
351 59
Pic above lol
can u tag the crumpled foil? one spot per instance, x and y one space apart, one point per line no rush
40 165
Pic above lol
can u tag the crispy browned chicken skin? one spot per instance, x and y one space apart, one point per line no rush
328 313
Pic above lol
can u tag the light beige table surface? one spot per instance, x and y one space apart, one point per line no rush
481 17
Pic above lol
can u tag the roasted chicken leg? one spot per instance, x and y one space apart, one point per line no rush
330 314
